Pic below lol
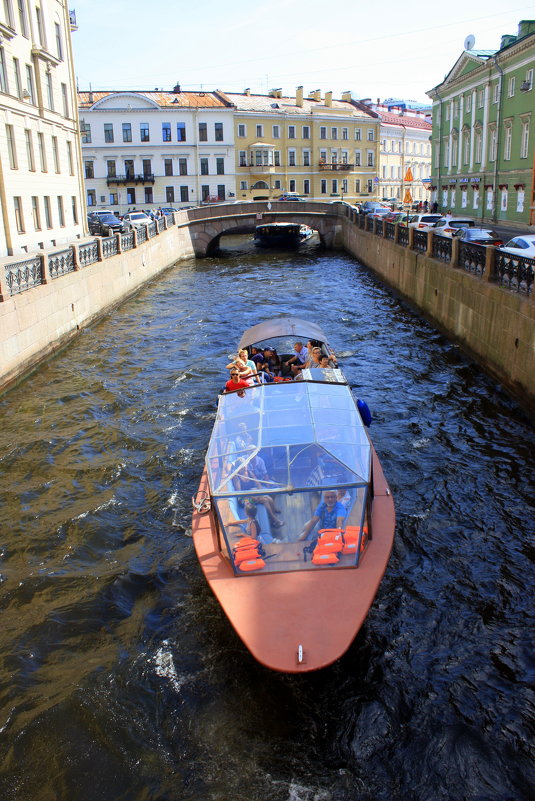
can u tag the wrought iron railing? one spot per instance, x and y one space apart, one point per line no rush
61 263
390 231
441 247
142 234
403 236
88 253
127 241
379 227
472 257
517 272
160 224
24 275
419 241
152 229
369 223
109 246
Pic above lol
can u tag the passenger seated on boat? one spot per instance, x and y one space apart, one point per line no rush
330 513
314 358
235 382
325 361
294 364
246 371
251 526
272 359
245 479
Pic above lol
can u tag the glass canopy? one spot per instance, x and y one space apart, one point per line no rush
308 435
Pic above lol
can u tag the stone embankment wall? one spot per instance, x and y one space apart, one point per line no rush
495 326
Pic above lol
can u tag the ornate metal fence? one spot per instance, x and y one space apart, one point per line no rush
127 241
152 229
141 234
442 247
61 263
517 272
403 236
390 231
109 246
472 257
419 241
88 253
379 227
24 275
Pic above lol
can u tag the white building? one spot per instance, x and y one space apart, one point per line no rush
41 187
156 149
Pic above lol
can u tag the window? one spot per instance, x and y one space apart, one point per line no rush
334 186
260 131
277 184
480 98
291 158
42 151
59 44
18 83
306 186
148 195
323 132
242 130
528 80
524 139
147 168
181 131
30 84
8 14
166 131
306 158
182 166
49 91
357 186
507 142
204 166
48 212
184 194
323 186
478 144
111 169
22 18
88 169
55 151
4 87
291 132
65 99
493 144
203 132
218 130
205 192
291 186
323 157
129 169
358 134
61 212
243 184
70 159
35 213
345 133
131 195
466 147
74 208
19 217
108 132
334 133
277 157
468 104
144 132
127 132
40 28
11 149
114 199
168 166
220 166
306 131
221 192
344 185
370 186
370 134
496 93
357 158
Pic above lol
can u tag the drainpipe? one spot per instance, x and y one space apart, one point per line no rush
498 123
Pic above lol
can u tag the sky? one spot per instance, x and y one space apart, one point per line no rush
379 49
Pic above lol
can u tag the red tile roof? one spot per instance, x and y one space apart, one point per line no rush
163 99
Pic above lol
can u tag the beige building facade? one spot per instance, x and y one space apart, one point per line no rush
316 146
41 187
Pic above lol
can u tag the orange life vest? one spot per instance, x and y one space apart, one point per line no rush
351 539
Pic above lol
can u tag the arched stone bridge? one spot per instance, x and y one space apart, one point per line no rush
209 223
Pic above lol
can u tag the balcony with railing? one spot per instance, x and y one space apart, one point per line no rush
336 166
131 178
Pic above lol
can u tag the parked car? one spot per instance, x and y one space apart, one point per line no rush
521 246
452 226
135 219
168 209
380 213
371 205
479 236
394 216
291 196
104 223
423 221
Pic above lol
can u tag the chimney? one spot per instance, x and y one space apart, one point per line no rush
176 89
346 97
328 98
316 95
247 92
299 96
90 96
275 93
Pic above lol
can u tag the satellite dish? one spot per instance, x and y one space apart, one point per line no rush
469 42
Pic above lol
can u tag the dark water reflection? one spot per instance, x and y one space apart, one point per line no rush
120 678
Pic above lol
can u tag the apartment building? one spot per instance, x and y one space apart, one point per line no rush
319 147
156 149
483 144
40 158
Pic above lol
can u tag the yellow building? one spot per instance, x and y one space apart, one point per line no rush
319 148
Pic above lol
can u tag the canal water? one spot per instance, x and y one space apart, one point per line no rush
120 677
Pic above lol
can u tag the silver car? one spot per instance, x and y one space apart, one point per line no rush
135 219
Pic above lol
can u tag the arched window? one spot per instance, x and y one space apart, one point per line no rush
260 185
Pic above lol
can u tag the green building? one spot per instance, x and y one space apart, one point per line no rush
483 137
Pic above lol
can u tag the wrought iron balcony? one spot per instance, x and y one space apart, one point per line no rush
258 169
144 178
336 166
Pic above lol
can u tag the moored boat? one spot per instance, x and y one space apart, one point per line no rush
278 235
293 521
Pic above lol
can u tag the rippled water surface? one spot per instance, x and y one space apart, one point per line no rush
120 677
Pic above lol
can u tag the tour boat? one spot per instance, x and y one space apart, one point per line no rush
298 572
278 235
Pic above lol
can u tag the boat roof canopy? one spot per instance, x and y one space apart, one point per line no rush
280 327
311 430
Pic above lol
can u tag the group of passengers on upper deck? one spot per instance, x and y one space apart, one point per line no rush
264 365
